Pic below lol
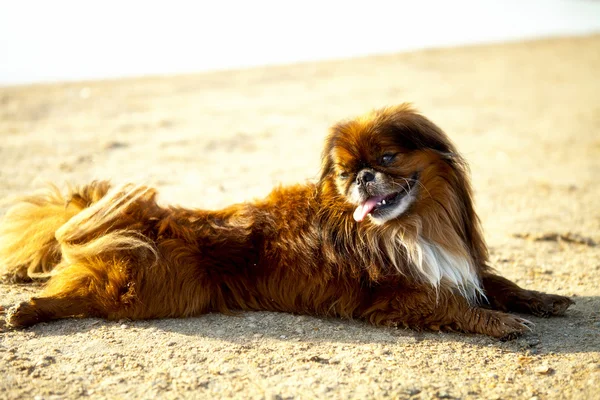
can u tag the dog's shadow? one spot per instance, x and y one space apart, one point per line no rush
577 332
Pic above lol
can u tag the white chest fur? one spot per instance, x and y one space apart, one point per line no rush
438 266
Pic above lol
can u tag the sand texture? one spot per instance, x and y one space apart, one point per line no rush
527 118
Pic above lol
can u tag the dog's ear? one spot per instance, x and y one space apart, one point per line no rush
414 131
326 161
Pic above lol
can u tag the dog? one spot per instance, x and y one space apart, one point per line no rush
388 234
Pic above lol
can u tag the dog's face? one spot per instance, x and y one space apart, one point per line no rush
385 163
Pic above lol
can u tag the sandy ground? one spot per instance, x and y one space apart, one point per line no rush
526 116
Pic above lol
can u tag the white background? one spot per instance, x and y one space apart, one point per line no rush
78 39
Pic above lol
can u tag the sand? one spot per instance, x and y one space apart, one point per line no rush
525 115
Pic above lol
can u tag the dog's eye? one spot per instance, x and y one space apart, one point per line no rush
386 159
343 175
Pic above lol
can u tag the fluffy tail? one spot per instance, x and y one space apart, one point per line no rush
28 245
90 244
109 227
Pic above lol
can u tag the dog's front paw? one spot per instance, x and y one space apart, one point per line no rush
548 305
509 327
493 323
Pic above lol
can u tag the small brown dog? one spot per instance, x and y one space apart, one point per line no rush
388 234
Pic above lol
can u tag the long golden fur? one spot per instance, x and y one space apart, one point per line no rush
388 234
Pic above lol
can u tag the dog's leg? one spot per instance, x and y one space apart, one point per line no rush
505 295
95 288
429 310
43 309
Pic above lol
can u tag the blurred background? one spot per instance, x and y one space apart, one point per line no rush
74 40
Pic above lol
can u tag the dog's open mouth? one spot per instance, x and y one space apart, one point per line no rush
377 206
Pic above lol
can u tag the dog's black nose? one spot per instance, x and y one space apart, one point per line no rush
365 176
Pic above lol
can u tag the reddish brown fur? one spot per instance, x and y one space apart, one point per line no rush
118 254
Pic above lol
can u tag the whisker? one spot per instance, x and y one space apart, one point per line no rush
408 181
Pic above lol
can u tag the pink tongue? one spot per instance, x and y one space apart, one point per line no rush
364 209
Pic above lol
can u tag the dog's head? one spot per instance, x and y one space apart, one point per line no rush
385 162
393 166
393 180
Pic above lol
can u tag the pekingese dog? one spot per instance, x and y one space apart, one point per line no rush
388 234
